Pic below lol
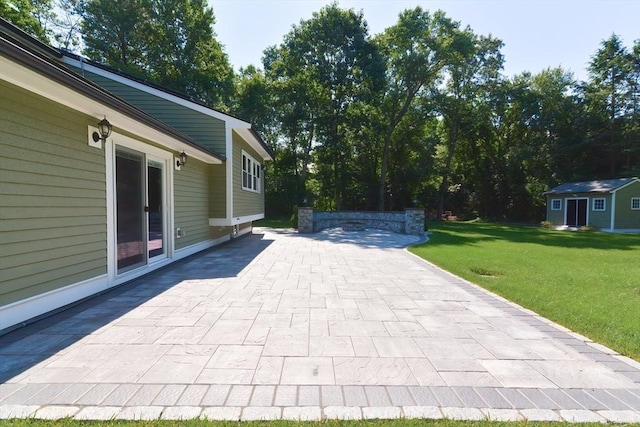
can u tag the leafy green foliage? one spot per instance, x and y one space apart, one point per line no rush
30 15
170 42
420 114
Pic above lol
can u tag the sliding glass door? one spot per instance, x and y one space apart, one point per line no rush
140 212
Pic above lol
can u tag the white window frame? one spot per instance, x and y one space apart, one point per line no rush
604 204
637 201
251 173
553 204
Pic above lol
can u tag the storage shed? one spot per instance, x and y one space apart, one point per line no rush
611 205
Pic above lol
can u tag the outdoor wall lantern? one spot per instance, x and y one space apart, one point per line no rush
182 160
104 127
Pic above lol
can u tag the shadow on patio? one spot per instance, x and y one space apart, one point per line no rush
34 343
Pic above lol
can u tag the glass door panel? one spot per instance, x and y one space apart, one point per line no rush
131 241
155 190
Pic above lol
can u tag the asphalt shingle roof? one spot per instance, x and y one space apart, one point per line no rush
603 186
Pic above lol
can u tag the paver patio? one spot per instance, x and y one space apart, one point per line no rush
333 325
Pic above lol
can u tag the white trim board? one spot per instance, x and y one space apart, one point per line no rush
225 222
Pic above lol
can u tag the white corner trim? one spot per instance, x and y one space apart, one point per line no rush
229 171
613 210
23 310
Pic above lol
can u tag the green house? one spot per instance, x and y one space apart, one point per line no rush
611 205
81 213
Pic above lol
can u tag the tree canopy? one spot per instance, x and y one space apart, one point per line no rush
419 115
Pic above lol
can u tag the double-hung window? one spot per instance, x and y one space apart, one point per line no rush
250 173
556 204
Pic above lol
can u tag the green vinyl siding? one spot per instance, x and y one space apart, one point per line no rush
555 217
191 203
625 217
245 203
205 129
600 219
218 191
53 197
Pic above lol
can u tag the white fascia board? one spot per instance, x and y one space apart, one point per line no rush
248 136
226 222
28 79
156 92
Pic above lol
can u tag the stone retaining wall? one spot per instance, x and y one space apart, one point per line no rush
411 221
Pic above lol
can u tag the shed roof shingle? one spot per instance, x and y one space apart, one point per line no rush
602 186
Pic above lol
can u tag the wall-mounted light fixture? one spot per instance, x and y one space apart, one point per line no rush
104 129
182 160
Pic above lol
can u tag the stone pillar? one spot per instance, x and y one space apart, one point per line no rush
305 220
414 221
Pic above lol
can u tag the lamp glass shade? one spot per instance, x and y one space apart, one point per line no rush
183 158
105 128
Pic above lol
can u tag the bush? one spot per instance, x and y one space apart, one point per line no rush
547 225
588 228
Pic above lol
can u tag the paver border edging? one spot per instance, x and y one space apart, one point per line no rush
595 351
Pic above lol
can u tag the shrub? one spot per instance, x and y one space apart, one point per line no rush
294 218
588 228
547 225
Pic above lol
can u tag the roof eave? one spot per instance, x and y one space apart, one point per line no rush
51 70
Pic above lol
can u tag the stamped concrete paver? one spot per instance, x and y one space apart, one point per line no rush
344 325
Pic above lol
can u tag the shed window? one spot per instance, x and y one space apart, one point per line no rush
556 204
250 173
599 204
635 203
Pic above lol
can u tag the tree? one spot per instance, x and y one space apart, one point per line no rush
412 50
168 41
328 67
473 62
29 15
67 24
183 54
117 32
611 98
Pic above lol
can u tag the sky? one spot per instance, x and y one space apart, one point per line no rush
536 34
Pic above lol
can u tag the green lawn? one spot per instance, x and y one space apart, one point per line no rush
273 223
587 281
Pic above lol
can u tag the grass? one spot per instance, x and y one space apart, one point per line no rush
273 223
588 282
331 423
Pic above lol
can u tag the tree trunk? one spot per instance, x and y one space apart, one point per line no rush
451 144
383 172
